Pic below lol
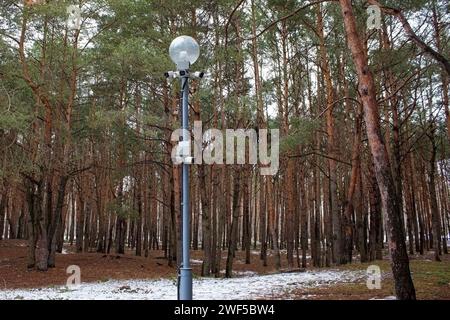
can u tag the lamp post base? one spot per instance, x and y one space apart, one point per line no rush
185 284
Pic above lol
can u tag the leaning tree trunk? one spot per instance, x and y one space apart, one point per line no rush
404 287
444 75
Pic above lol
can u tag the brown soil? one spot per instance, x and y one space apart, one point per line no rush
431 279
99 267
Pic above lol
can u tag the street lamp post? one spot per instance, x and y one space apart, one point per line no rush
185 270
184 51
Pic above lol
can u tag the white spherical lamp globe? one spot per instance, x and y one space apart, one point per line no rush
184 51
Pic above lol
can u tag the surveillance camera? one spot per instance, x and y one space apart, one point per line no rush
171 74
199 74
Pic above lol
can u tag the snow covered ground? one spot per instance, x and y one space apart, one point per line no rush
243 287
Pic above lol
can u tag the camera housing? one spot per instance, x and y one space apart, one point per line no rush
199 74
172 74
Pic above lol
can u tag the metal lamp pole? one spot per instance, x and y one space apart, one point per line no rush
184 51
185 289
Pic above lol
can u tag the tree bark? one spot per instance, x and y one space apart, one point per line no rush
56 221
349 207
3 201
435 215
404 287
232 239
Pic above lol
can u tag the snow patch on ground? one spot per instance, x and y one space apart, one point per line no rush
271 253
245 273
386 298
247 287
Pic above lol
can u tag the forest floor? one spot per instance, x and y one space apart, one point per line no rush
130 277
431 280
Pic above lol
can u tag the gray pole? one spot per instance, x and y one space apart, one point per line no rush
185 270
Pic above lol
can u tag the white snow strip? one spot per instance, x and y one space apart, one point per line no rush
249 287
386 298
271 253
246 273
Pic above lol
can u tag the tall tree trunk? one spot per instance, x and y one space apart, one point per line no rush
72 218
205 206
396 121
56 221
289 190
80 221
349 207
444 208
3 201
413 229
289 213
303 217
263 219
121 224
404 287
272 222
316 222
331 145
41 230
435 215
223 211
140 217
146 215
246 232
361 220
32 216
232 239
